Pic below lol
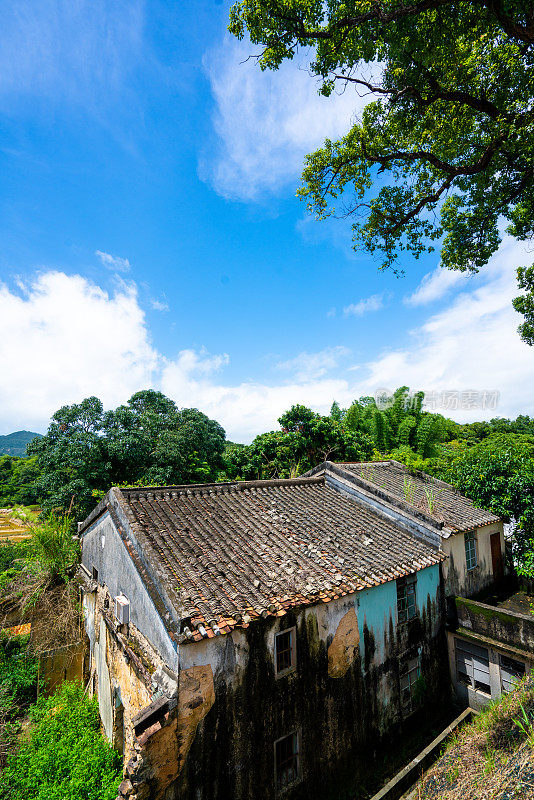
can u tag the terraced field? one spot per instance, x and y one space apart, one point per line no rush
12 529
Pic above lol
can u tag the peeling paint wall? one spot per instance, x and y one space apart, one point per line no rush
218 742
458 580
343 697
122 692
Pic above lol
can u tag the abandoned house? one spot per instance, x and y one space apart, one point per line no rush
274 633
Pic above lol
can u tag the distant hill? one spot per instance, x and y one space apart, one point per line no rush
14 444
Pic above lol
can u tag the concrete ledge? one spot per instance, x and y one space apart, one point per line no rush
411 773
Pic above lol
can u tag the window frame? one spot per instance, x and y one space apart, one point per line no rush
406 589
510 671
412 665
470 538
297 734
279 673
468 648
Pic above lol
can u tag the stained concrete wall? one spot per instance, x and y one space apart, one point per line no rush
509 628
103 548
343 697
457 578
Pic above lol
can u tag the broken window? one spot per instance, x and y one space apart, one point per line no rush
285 654
406 600
472 665
407 682
512 672
470 541
287 760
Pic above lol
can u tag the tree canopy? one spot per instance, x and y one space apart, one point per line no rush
445 146
306 439
147 441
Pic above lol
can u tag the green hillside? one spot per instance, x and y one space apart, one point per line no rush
14 444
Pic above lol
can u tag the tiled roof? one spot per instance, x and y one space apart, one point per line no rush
419 492
230 553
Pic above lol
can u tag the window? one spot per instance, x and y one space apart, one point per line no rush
95 574
472 666
407 683
285 652
470 541
287 760
406 601
511 672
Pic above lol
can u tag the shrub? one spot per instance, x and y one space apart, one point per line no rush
64 756
54 547
18 668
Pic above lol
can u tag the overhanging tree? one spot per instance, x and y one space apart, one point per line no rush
447 143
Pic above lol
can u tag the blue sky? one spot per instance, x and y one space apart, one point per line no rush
151 235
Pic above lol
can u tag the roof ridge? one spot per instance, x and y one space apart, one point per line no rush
218 488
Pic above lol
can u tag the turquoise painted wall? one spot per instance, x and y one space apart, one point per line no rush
377 604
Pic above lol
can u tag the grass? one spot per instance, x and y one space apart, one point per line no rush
491 757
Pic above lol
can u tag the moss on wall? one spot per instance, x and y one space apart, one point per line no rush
346 716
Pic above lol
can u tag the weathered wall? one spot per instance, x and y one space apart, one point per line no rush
62 664
103 549
123 691
457 579
507 627
344 696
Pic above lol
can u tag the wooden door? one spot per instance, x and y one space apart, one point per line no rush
496 556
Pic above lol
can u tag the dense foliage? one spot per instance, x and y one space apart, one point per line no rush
306 439
64 754
18 685
397 421
445 147
150 441
498 474
147 441
18 477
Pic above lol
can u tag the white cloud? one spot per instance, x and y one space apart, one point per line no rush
436 285
373 303
115 263
63 338
310 366
252 407
159 305
472 344
266 122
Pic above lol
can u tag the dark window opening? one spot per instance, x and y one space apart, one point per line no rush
285 651
406 597
95 574
472 666
286 760
512 672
